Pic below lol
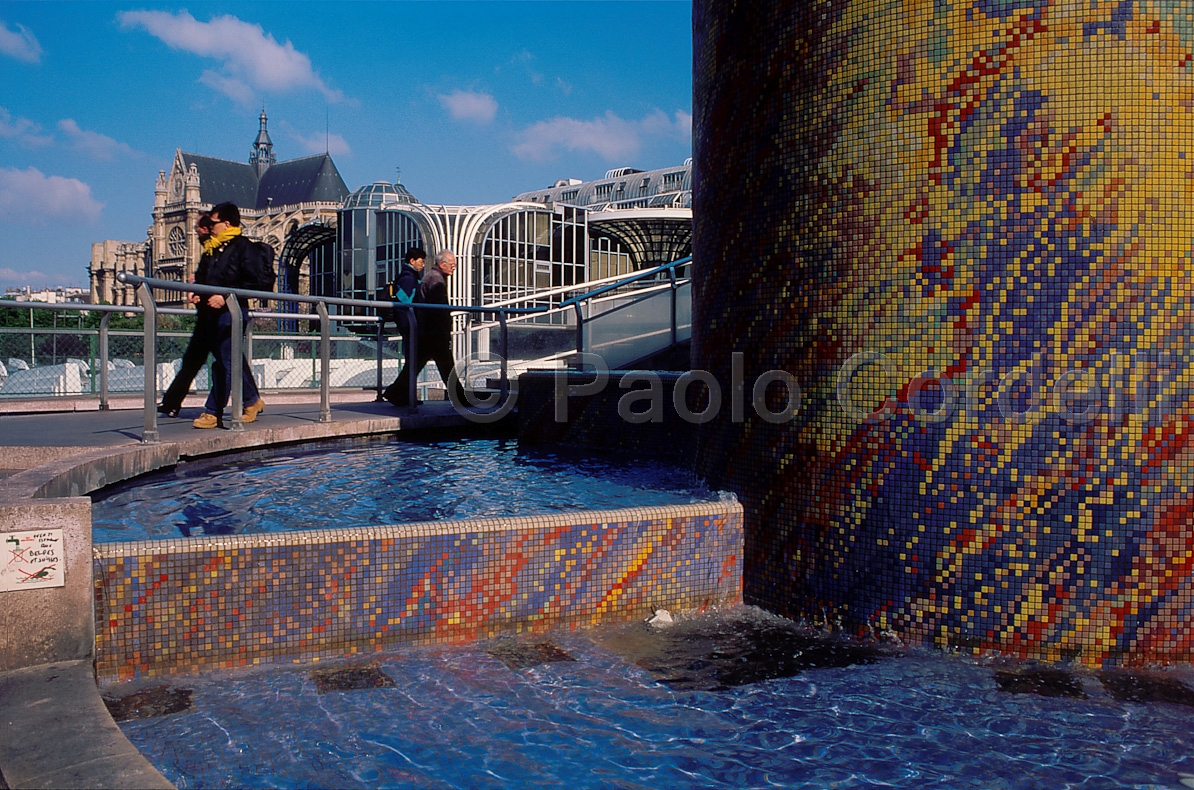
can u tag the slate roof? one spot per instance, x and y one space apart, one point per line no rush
310 178
223 179
302 180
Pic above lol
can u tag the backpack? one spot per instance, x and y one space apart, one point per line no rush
259 269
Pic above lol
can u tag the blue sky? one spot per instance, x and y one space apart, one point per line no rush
474 101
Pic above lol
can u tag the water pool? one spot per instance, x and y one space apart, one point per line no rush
373 483
697 705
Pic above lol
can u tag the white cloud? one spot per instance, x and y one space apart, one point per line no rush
233 87
252 60
469 106
25 132
31 196
20 44
609 136
94 144
333 144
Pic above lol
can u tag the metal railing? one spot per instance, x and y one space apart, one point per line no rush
323 316
622 318
578 308
98 359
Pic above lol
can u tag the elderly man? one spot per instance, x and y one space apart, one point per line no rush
434 333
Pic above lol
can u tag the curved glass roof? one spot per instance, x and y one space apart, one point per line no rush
378 194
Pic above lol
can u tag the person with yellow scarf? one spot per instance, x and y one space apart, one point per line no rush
195 355
227 261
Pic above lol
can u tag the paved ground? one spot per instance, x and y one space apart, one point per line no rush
32 438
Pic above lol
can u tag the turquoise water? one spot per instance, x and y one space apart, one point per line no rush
639 707
376 483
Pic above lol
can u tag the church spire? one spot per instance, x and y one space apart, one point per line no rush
262 155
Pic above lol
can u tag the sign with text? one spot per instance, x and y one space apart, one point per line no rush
32 560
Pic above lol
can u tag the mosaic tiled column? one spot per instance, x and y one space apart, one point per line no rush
965 229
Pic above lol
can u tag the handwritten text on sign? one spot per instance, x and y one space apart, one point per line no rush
32 560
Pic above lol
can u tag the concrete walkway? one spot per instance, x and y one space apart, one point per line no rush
54 728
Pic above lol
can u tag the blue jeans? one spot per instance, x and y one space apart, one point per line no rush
218 330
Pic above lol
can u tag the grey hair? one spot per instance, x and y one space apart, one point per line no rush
442 255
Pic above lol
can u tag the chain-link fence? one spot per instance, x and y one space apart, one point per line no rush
45 361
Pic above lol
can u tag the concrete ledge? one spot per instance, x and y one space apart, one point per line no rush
84 470
56 733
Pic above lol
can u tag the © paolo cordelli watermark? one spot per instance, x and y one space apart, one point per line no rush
1125 384
491 407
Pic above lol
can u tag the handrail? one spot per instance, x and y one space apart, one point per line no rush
371 304
503 310
633 278
563 289
232 297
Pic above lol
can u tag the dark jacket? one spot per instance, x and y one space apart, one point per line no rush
230 266
434 290
201 279
405 287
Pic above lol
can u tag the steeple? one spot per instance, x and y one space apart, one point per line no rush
262 155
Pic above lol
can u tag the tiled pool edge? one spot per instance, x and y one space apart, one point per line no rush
188 605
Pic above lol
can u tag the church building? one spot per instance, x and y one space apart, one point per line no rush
290 205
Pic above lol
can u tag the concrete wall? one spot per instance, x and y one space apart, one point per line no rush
965 230
53 624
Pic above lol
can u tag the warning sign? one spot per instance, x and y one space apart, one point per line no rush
32 560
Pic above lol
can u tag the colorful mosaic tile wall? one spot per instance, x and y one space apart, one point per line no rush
187 605
965 229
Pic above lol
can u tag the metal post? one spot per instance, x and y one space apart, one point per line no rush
381 325
150 433
103 351
249 341
580 329
237 356
412 354
672 274
505 380
325 363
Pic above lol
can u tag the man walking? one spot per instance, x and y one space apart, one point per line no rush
434 334
229 262
195 356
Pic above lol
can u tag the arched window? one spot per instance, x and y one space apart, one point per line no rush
177 242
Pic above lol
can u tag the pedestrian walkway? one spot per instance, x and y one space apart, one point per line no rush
54 728
31 439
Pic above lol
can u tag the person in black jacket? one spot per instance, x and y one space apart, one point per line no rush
405 285
434 334
402 291
195 355
229 259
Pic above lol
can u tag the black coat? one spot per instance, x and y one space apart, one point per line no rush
231 266
434 290
406 286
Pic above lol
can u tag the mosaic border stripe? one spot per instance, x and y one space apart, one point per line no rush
188 605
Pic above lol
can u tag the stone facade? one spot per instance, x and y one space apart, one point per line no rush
110 258
273 206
